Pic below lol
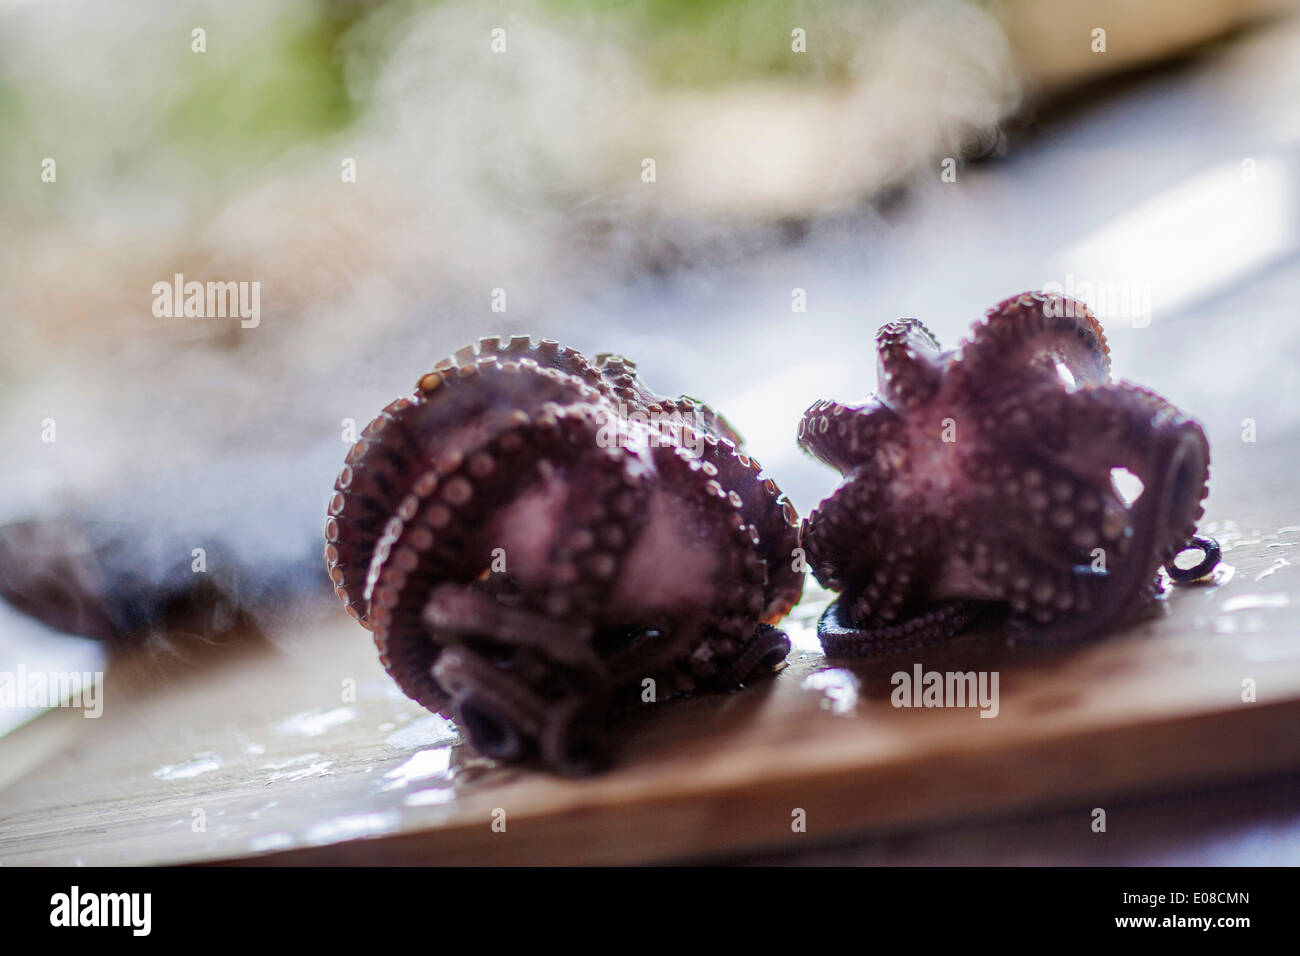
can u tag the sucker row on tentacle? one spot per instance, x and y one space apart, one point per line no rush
981 479
536 539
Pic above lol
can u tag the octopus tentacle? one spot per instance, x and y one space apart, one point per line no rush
1063 505
1021 341
498 711
764 507
1210 556
840 637
736 578
713 421
431 539
520 349
570 740
764 652
626 386
564 592
387 458
1174 471
1049 518
843 436
365 493
854 542
458 611
909 364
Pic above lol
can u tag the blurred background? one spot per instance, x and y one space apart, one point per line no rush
733 193
400 178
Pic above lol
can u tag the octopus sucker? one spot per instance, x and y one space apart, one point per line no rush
531 536
979 481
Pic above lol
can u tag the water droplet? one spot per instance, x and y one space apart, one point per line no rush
1220 576
198 764
313 723
1272 569
350 828
270 841
320 768
839 689
428 731
424 765
430 797
1253 601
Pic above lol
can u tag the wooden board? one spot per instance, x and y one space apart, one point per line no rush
267 758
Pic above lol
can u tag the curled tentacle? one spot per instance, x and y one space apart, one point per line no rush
770 513
1210 555
1021 342
531 536
1170 454
765 651
840 637
909 365
448 408
498 710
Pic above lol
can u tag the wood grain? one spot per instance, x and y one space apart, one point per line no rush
280 767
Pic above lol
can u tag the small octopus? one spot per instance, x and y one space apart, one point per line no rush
538 543
982 479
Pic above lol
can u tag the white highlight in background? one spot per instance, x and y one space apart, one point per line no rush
1196 238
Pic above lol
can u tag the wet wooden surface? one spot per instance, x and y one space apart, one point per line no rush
269 758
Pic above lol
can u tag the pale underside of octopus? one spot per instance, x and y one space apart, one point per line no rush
538 543
981 479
